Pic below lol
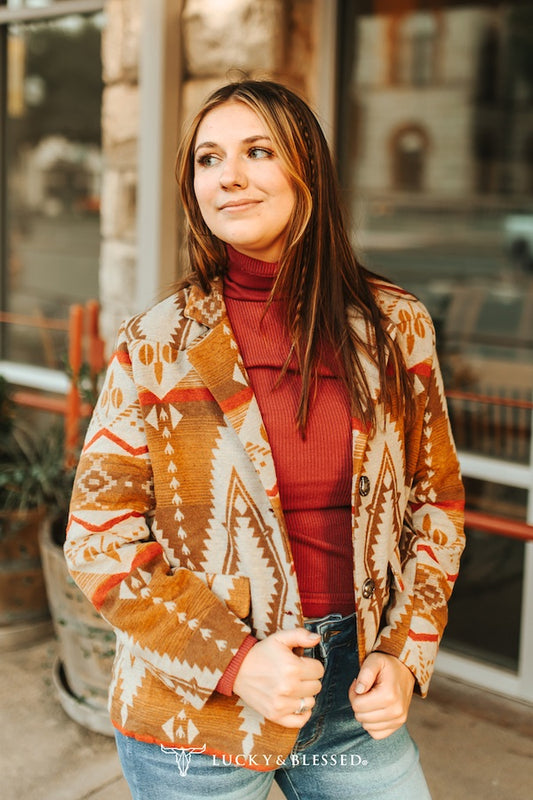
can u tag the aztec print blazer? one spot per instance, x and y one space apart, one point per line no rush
177 535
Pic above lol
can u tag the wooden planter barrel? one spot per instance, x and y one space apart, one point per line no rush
86 643
24 614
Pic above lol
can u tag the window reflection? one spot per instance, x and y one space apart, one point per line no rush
486 345
436 144
437 153
54 168
486 606
414 49
410 147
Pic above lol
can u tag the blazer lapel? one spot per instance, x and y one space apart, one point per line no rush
216 358
360 430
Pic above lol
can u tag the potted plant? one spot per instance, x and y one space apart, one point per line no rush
36 481
33 484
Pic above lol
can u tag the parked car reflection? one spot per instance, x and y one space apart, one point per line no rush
485 341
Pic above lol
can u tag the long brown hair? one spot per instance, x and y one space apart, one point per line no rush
319 277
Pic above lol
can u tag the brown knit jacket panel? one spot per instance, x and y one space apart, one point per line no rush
177 534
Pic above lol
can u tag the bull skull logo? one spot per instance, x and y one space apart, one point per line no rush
183 756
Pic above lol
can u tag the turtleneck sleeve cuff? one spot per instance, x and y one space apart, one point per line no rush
225 684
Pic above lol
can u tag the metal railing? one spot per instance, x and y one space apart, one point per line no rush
500 526
84 346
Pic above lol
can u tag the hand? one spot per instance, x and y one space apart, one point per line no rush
274 680
381 694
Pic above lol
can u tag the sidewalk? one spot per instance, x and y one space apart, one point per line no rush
473 745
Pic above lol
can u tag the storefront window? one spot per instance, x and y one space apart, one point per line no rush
486 610
52 169
436 156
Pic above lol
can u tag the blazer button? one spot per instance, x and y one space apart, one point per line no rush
368 588
364 485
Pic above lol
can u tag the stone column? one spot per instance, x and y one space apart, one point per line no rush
120 125
260 38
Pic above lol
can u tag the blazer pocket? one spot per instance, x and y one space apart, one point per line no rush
233 590
396 569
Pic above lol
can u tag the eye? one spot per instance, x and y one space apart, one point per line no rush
260 152
206 160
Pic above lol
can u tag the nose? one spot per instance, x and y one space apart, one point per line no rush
233 172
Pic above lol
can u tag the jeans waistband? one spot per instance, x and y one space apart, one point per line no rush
334 629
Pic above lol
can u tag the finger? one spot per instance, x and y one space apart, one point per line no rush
370 711
373 701
392 717
297 637
391 723
381 717
284 706
378 735
379 702
310 688
373 698
304 706
312 668
294 719
378 696
367 677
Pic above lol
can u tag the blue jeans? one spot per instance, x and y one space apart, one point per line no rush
333 756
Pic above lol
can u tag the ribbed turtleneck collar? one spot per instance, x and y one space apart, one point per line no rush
248 278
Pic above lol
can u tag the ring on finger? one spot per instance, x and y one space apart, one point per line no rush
303 708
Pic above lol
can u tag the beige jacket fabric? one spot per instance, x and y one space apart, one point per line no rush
177 534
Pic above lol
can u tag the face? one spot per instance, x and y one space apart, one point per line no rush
242 188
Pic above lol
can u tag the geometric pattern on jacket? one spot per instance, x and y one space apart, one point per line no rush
177 535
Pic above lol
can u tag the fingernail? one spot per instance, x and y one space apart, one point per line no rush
360 688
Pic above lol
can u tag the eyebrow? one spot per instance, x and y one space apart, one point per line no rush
248 140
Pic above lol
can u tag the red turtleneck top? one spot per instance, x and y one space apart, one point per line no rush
314 474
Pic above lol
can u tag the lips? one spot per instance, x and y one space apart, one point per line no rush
238 204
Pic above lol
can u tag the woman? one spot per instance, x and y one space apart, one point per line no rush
268 508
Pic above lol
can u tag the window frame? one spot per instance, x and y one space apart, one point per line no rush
28 375
56 9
